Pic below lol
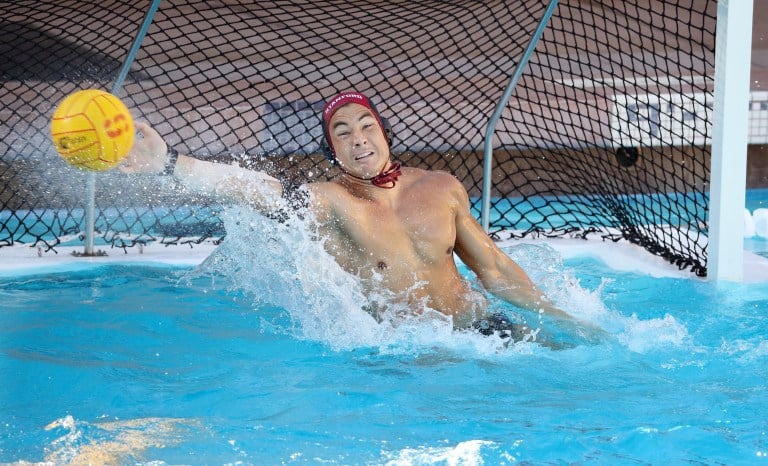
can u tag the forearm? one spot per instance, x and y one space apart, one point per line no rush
228 183
225 183
505 279
520 291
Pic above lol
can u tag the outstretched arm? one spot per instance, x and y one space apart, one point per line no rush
226 183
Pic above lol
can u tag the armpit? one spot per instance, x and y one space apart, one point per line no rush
295 202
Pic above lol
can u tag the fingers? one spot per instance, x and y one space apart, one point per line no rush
147 153
142 127
148 133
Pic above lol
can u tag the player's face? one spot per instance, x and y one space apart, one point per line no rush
358 141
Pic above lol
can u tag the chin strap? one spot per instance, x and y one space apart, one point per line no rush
383 179
386 179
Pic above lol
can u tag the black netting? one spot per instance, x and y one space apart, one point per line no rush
601 136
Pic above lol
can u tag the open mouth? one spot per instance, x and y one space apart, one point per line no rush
363 155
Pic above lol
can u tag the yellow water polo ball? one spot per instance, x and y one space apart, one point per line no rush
92 130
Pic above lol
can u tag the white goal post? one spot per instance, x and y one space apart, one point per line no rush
729 140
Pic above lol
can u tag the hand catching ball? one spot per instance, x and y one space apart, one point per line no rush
92 130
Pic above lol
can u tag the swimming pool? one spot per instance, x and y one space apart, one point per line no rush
252 359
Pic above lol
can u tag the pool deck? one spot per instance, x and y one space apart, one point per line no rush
26 260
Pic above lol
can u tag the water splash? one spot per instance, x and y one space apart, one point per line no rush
284 264
560 283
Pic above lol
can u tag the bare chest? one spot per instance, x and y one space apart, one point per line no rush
410 236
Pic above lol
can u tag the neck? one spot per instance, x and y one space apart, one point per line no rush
386 179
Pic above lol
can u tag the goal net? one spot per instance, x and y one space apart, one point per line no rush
606 132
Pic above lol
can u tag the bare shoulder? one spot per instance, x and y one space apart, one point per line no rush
438 179
439 184
324 196
324 189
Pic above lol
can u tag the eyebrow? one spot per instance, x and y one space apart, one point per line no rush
367 113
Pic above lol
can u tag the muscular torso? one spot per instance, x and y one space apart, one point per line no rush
402 240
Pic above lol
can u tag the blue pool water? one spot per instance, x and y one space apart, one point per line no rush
248 361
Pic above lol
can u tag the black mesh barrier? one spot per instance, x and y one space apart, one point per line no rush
606 132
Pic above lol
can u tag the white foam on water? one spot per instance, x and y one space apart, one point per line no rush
546 267
464 453
760 223
745 350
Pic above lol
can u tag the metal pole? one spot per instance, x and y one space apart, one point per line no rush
90 217
90 220
517 73
118 84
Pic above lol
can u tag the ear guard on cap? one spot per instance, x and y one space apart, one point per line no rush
325 146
